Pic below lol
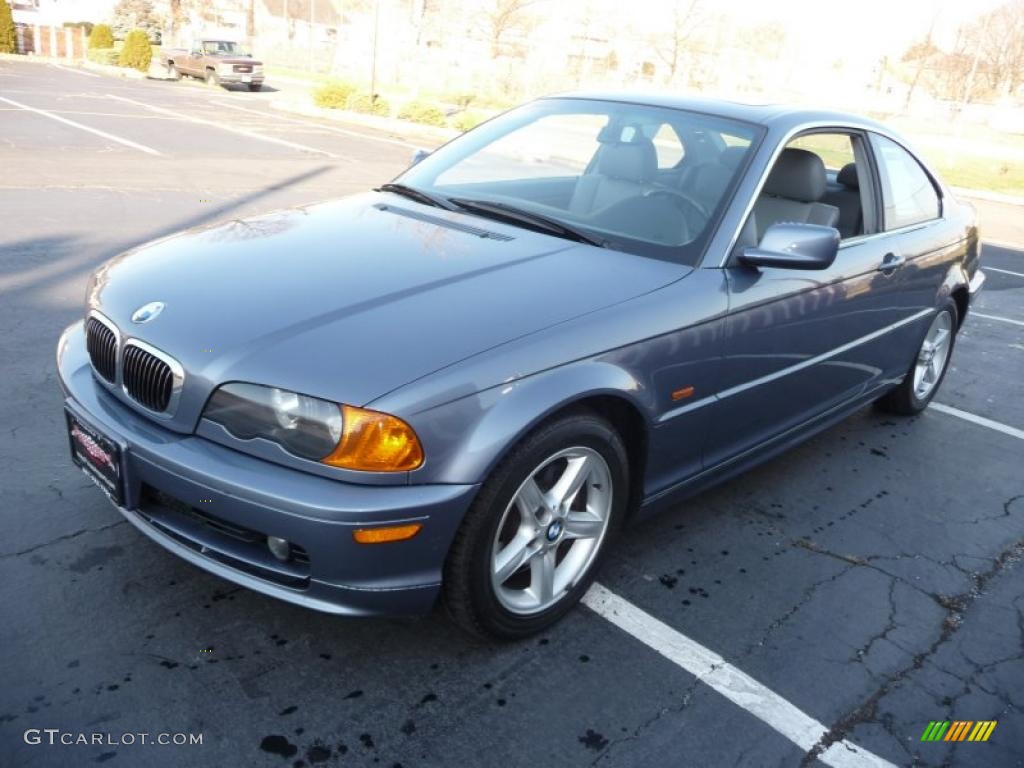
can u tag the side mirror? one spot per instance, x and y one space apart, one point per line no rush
794 246
418 156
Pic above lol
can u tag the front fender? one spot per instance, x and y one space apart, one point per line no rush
466 437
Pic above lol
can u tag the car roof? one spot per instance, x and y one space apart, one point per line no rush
779 116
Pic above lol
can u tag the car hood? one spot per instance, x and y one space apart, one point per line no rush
351 299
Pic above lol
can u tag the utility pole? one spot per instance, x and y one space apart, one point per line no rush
312 5
250 25
373 57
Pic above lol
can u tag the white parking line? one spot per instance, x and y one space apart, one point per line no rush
737 686
332 128
1004 271
223 127
1004 244
104 134
995 317
980 420
75 71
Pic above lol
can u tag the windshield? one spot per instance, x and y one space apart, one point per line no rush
222 48
642 179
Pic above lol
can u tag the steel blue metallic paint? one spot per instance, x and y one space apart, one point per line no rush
474 340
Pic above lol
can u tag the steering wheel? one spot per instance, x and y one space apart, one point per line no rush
690 205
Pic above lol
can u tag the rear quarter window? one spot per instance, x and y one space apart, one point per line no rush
908 194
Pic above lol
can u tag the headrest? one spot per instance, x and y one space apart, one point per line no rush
797 175
635 162
847 176
730 156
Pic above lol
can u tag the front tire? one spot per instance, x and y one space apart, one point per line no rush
173 70
929 366
534 538
255 86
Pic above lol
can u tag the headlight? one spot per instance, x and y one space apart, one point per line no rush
256 68
226 67
311 428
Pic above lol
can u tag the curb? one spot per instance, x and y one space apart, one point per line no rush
991 197
404 130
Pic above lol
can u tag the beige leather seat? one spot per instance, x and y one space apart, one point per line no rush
792 193
622 170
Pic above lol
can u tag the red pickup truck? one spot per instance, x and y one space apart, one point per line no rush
218 62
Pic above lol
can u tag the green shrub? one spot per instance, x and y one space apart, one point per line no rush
8 33
101 37
467 120
363 102
136 51
333 95
103 56
461 98
424 112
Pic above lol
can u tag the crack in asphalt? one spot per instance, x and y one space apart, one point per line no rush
807 596
58 539
890 625
955 606
613 743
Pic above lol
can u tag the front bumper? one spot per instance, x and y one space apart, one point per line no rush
228 78
214 507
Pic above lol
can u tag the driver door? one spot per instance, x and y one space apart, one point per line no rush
801 343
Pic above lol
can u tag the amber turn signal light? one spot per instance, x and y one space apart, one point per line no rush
386 533
372 441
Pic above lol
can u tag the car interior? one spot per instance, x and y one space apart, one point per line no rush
801 188
660 183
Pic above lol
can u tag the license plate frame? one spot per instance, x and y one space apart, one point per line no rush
97 455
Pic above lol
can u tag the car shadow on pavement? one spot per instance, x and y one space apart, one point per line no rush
33 264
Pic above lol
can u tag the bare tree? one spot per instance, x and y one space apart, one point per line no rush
504 19
685 21
997 39
920 56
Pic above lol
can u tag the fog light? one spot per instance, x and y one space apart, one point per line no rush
279 548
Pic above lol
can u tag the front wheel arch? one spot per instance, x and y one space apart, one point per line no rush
487 425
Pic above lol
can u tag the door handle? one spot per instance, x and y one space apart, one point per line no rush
890 262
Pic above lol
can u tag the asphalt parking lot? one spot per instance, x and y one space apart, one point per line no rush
869 581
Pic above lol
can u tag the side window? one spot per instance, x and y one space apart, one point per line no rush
908 195
668 147
834 149
815 180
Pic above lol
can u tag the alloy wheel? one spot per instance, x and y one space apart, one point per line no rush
931 360
551 530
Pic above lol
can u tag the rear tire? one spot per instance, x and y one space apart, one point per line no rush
929 366
211 78
550 550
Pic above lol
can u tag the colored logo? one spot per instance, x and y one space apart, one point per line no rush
147 312
555 530
959 730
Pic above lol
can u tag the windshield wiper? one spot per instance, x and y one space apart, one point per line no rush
536 221
415 194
